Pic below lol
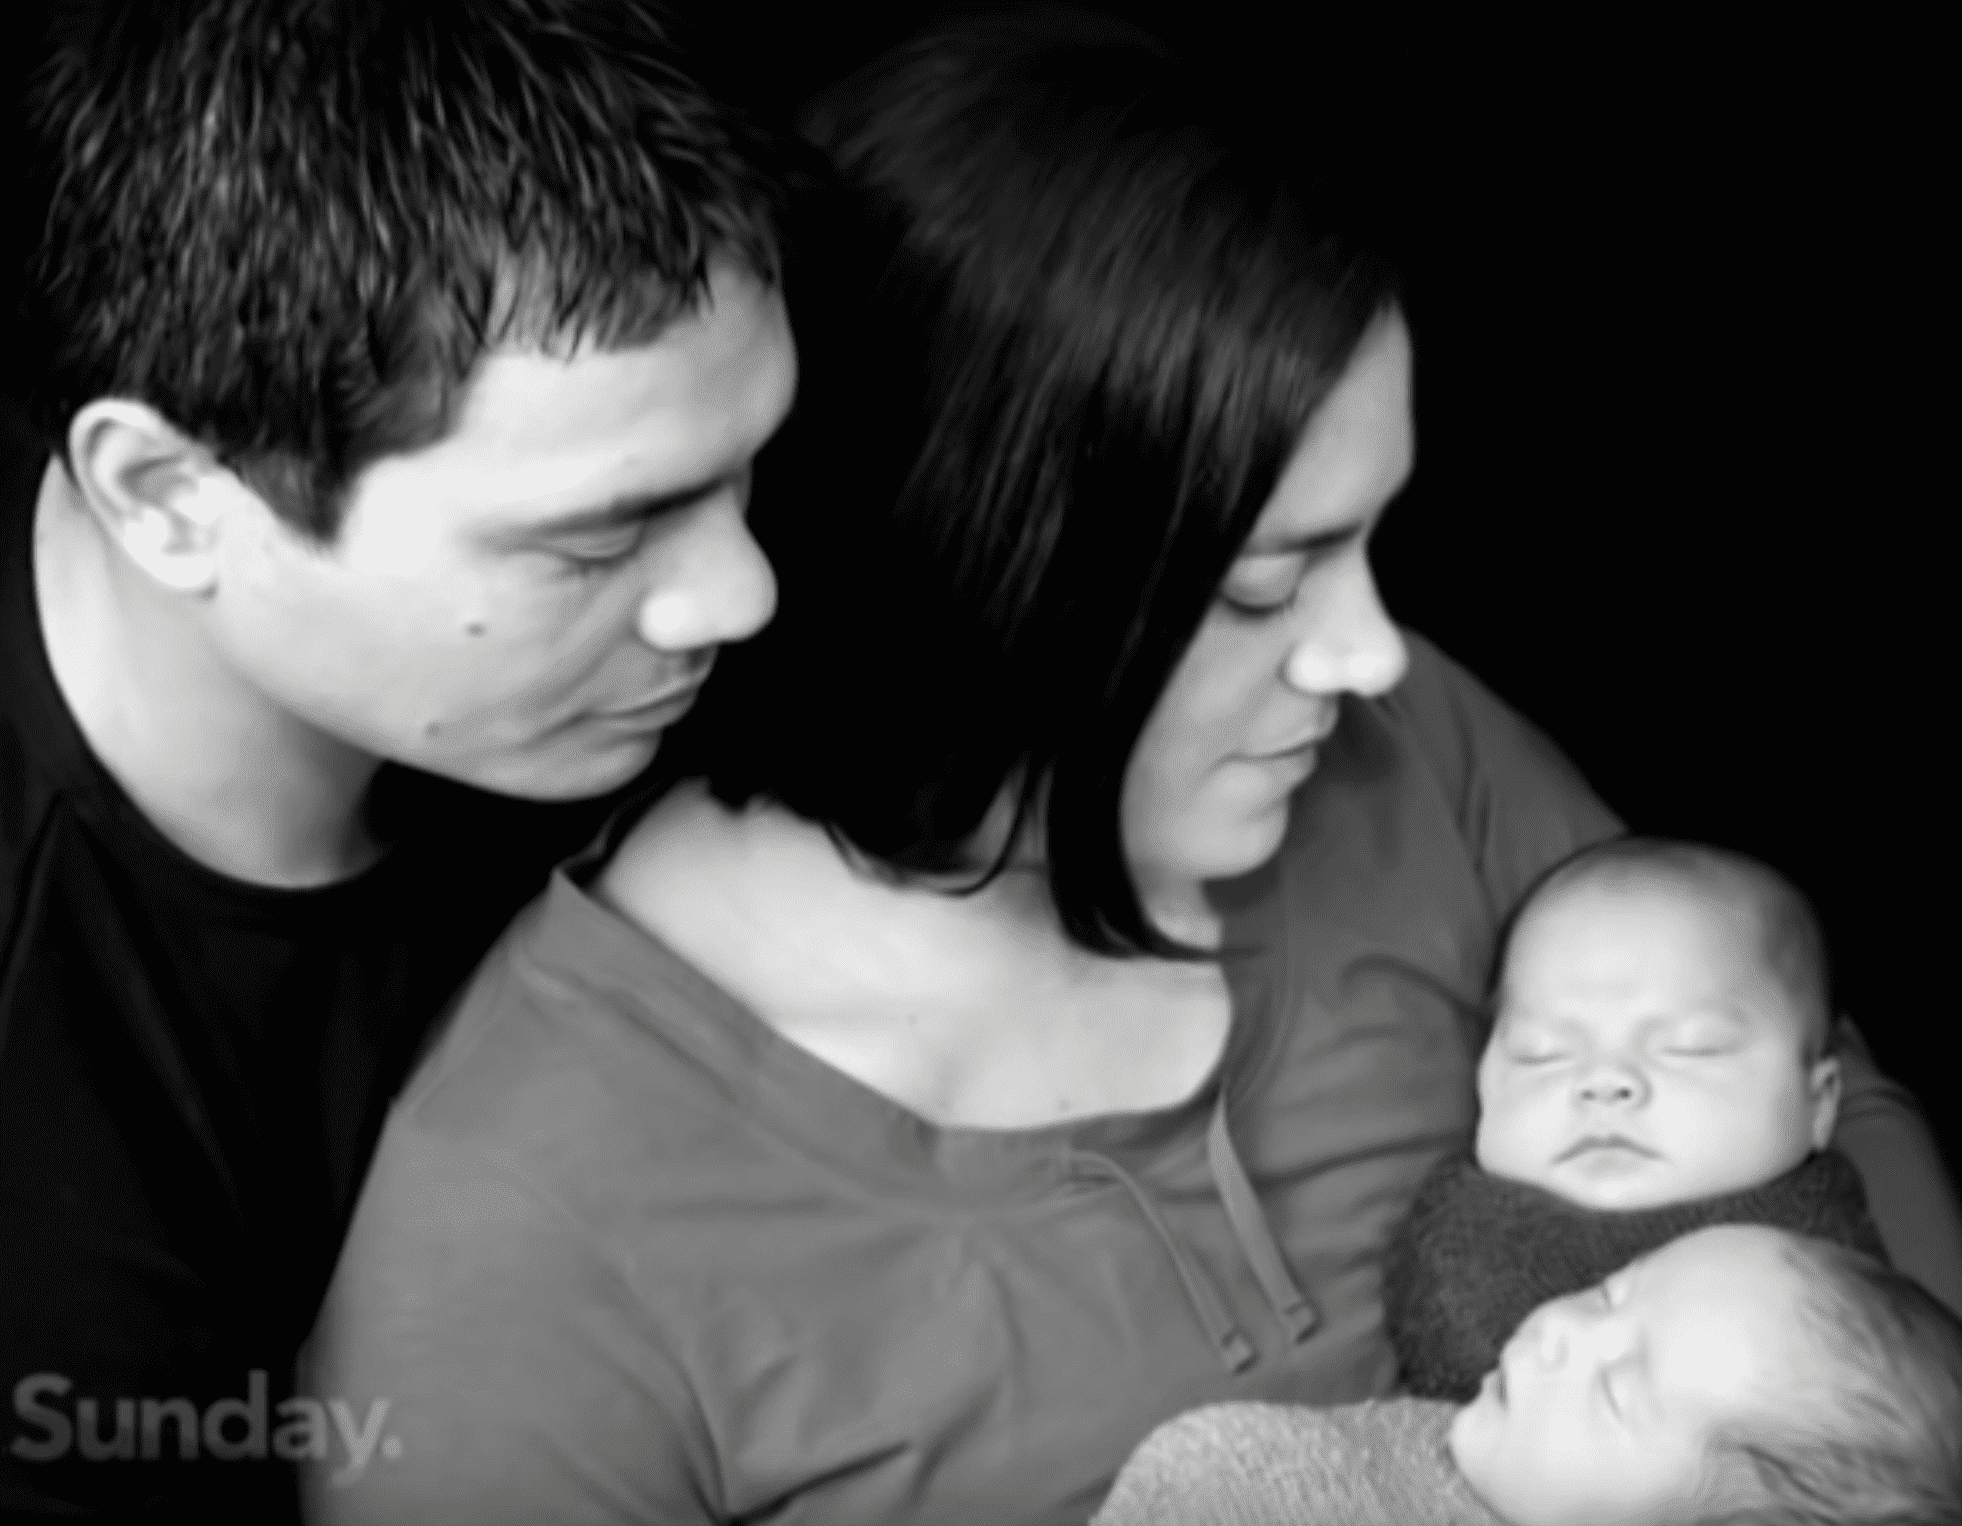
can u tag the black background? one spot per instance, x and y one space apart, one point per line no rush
1682 318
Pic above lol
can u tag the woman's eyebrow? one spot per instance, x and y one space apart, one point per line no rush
1305 545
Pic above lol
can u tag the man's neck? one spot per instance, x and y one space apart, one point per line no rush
234 780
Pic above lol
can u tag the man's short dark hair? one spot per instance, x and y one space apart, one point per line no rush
1880 1442
1081 317
293 226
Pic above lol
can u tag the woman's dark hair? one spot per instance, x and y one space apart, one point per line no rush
293 226
1075 317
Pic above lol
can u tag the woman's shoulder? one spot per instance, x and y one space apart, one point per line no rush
1470 736
583 1046
1519 803
720 884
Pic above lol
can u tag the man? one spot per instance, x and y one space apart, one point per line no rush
397 372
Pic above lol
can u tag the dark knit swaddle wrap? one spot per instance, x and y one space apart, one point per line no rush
1479 1253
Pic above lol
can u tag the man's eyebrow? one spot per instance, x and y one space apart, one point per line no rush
614 515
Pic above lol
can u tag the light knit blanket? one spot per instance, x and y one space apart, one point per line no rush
1383 1463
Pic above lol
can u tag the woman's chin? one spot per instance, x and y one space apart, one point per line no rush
1242 846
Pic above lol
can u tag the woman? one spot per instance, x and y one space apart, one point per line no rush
1037 1012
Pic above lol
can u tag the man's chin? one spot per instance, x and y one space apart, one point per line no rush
559 777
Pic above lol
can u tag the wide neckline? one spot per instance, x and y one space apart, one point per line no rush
859 1133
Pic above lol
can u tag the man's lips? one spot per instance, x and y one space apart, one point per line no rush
666 699
1604 1142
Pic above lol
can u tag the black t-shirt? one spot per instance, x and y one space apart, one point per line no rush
193 1072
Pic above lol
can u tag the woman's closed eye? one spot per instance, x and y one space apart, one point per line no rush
1263 593
1261 586
1260 609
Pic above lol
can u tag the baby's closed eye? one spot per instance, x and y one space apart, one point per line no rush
1697 1041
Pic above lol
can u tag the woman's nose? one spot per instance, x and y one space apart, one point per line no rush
714 585
1348 642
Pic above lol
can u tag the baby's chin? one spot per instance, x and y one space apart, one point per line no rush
1612 1180
1619 1181
1619 1185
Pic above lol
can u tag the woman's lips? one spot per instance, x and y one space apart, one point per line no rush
1299 745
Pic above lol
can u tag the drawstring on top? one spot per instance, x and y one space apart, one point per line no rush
1234 1349
1291 1306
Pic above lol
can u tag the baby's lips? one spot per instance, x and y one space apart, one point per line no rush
1590 1142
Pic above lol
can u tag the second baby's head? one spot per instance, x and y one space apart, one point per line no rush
1662 1030
1739 1374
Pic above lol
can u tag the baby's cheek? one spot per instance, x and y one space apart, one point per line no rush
1508 1138
1498 1091
1524 1478
1474 1442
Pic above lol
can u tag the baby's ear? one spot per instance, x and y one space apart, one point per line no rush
1824 1088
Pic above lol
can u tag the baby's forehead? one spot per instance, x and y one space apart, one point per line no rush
1697 892
1689 951
1712 927
1746 1277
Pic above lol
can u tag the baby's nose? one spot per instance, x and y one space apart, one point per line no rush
1573 1326
1550 1342
1613 1084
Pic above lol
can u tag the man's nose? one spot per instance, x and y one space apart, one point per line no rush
714 586
1347 641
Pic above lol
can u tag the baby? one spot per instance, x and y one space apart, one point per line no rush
1738 1374
1660 1060
1659 1064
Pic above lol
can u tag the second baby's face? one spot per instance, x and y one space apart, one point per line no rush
1643 1055
1604 1404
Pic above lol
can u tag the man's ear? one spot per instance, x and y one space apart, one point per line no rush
1824 1086
158 495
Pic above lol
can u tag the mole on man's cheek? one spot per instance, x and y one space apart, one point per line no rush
474 628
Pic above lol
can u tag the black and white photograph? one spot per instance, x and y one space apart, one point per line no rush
974 764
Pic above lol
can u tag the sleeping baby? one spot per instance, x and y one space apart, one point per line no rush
1659 1061
1655 1296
